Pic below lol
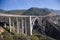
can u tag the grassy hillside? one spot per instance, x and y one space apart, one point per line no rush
30 11
19 12
37 11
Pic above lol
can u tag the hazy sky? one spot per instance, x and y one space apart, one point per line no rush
25 4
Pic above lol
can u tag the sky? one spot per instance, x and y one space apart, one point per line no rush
26 4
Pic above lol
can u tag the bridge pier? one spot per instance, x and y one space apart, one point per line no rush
31 27
5 25
10 24
17 25
13 27
57 20
25 26
22 20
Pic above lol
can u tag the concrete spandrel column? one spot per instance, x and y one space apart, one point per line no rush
17 25
39 21
31 27
41 18
13 27
50 19
25 26
57 20
22 20
5 25
10 24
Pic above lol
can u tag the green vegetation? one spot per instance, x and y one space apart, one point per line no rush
37 11
19 12
33 37
15 36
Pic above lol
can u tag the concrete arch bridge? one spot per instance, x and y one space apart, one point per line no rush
26 23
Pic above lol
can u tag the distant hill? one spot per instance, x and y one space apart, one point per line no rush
57 12
19 12
32 11
2 11
37 11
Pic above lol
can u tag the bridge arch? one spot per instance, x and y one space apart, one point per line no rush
36 22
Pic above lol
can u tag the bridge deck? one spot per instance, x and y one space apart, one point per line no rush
14 15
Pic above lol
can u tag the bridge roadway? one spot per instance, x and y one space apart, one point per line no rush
14 15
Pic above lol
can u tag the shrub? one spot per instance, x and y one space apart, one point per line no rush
43 38
19 37
33 37
7 36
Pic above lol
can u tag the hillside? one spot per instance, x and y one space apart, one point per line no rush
37 11
19 12
57 12
2 11
32 11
